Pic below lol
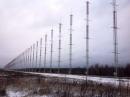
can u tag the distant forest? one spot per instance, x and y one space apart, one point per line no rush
109 70
95 70
104 70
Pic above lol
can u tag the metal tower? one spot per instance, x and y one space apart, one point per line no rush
115 38
70 49
87 37
40 54
28 59
24 61
45 52
36 55
33 61
30 51
51 56
26 53
59 56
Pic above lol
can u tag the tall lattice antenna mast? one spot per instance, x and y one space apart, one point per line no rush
36 55
24 59
70 49
33 61
45 53
87 37
30 51
28 59
51 50
40 55
115 37
59 56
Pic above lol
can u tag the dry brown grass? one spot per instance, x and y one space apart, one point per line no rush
64 88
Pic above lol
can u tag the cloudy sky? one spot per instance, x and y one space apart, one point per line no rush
23 22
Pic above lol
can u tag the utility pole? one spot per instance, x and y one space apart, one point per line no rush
40 55
115 38
51 51
70 49
45 53
59 56
87 38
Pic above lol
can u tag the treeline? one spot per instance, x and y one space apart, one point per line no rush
96 70
109 70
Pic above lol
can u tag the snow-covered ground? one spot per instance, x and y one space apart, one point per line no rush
14 93
32 88
104 80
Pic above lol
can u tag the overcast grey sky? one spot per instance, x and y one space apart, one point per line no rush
23 22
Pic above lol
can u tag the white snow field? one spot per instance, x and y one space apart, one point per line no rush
12 93
16 93
103 80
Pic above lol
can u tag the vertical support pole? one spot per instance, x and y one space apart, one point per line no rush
21 58
45 53
18 62
115 38
26 59
70 49
51 56
23 61
59 56
87 38
30 58
36 56
33 59
40 55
